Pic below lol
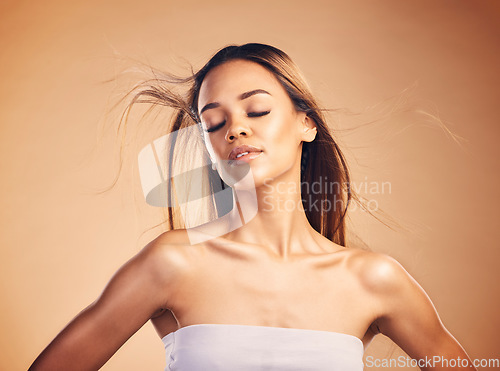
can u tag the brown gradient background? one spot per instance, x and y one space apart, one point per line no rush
61 242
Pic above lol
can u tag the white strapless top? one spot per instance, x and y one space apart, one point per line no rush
221 347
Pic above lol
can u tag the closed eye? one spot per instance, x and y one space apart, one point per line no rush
249 114
216 127
257 114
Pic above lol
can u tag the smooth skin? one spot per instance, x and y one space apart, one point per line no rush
276 270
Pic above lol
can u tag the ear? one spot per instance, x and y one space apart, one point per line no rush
308 128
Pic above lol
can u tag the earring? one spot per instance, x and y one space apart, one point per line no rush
214 166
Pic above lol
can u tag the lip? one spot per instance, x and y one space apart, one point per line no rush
245 158
253 152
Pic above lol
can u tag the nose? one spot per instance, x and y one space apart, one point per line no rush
237 129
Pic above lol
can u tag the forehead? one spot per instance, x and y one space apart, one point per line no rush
229 80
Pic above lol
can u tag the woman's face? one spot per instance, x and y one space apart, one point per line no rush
241 103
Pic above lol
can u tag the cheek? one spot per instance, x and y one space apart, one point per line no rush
281 134
215 144
208 144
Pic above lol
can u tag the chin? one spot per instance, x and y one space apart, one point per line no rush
254 175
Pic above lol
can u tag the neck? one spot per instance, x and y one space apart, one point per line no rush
280 223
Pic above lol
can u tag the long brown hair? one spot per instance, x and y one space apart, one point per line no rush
322 162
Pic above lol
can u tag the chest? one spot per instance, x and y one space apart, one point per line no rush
286 295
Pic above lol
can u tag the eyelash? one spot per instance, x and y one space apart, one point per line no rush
250 114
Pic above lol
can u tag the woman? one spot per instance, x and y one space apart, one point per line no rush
266 285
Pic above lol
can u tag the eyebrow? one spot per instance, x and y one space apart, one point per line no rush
242 96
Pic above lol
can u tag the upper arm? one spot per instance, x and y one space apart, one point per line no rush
409 317
139 288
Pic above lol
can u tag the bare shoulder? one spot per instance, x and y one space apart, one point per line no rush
377 272
166 256
167 244
402 309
